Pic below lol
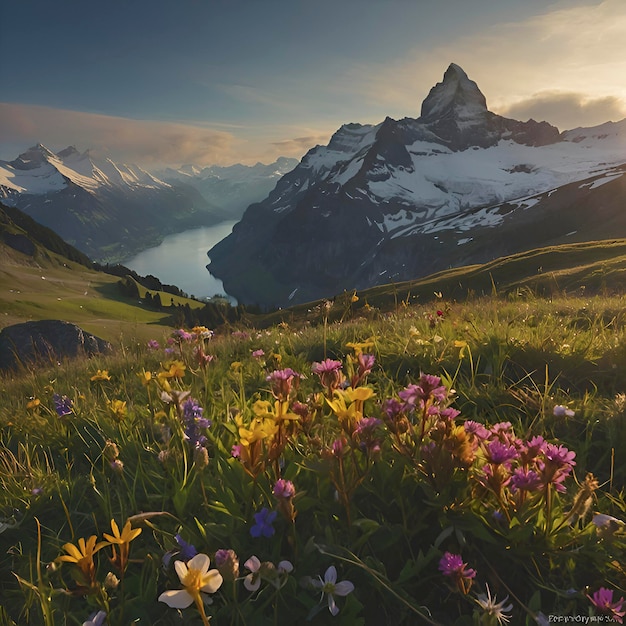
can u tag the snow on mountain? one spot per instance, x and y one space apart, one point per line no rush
231 188
349 213
38 170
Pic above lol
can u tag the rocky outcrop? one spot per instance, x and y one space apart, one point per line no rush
46 341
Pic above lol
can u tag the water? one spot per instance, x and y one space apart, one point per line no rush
182 258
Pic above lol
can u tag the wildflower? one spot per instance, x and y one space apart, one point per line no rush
282 382
145 377
100 375
33 403
500 453
359 347
525 479
284 489
332 588
252 581
196 579
173 369
118 409
194 422
258 354
606 525
202 358
603 600
62 405
330 374
182 335
493 611
227 563
562 411
122 540
476 429
263 523
153 344
96 619
117 466
111 581
452 565
235 451
558 464
187 550
82 556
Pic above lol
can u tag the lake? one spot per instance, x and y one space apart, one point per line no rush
182 258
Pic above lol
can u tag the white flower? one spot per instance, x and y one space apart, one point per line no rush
195 577
97 619
332 588
253 580
562 411
493 608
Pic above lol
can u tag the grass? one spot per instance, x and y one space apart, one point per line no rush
382 512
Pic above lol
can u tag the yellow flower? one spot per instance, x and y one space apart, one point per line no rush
82 556
354 297
118 409
145 377
101 375
196 578
173 369
360 347
236 366
33 403
122 540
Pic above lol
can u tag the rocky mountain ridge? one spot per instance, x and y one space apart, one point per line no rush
404 198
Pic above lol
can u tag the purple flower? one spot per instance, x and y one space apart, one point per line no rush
183 335
257 354
284 489
476 429
452 565
500 453
153 344
557 466
235 451
603 600
326 366
62 405
392 408
263 523
194 423
526 480
240 334
282 382
187 550
428 387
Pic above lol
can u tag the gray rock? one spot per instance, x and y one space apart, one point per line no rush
46 341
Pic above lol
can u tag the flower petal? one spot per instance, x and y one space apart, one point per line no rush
176 599
343 588
199 562
331 575
252 582
181 570
252 564
332 605
211 581
285 566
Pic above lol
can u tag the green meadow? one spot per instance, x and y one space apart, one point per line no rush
447 451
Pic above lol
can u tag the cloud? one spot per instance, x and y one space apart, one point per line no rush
297 146
567 110
140 141
574 51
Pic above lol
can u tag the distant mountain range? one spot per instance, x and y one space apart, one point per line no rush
404 198
111 211
232 189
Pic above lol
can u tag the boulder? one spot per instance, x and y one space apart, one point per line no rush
46 341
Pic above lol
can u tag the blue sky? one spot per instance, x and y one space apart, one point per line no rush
218 81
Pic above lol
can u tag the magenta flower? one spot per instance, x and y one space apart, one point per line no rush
62 405
428 387
476 429
326 366
282 382
284 489
452 565
526 480
500 453
603 600
257 354
557 466
153 344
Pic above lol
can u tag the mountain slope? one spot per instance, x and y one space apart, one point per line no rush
107 210
401 199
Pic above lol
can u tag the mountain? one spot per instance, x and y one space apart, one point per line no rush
108 210
404 198
233 188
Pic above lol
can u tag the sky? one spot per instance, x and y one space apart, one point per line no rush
169 82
